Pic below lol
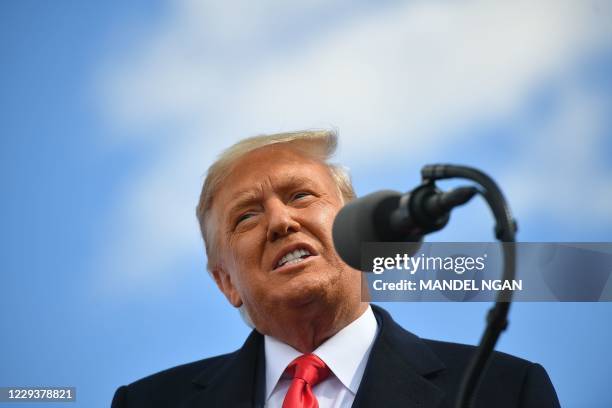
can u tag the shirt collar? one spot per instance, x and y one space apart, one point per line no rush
346 353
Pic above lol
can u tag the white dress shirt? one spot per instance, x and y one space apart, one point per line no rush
346 354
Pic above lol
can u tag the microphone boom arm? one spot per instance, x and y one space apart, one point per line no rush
389 216
505 230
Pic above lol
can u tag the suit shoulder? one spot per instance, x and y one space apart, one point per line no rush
516 381
460 354
182 372
507 381
502 369
163 388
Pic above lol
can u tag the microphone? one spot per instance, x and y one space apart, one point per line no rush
389 216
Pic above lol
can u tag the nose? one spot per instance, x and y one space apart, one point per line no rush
280 221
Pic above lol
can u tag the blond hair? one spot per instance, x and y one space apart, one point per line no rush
318 144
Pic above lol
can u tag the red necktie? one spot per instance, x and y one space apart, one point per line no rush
307 371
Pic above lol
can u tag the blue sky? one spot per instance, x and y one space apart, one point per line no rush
111 113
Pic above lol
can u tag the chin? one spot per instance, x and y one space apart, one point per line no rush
304 289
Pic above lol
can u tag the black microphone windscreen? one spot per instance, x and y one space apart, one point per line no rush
365 219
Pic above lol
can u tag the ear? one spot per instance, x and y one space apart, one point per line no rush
225 284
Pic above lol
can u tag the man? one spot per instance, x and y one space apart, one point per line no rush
266 213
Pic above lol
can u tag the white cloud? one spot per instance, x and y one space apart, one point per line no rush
213 74
561 171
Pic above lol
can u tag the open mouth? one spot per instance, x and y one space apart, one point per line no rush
293 257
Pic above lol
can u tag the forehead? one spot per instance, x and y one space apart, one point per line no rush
275 166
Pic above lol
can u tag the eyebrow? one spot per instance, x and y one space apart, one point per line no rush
243 199
295 181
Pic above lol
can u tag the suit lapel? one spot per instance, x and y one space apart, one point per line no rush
237 382
397 370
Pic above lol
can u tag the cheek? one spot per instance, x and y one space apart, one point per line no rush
322 219
242 254
245 253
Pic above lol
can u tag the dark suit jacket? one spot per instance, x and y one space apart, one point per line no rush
402 371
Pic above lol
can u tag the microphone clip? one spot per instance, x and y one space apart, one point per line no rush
426 209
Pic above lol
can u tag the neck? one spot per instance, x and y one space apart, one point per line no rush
307 328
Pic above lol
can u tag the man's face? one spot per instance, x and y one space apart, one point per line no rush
274 214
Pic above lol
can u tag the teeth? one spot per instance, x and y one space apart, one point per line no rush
293 257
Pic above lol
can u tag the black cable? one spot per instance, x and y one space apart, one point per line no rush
505 229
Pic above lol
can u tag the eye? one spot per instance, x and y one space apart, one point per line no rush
301 195
243 217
